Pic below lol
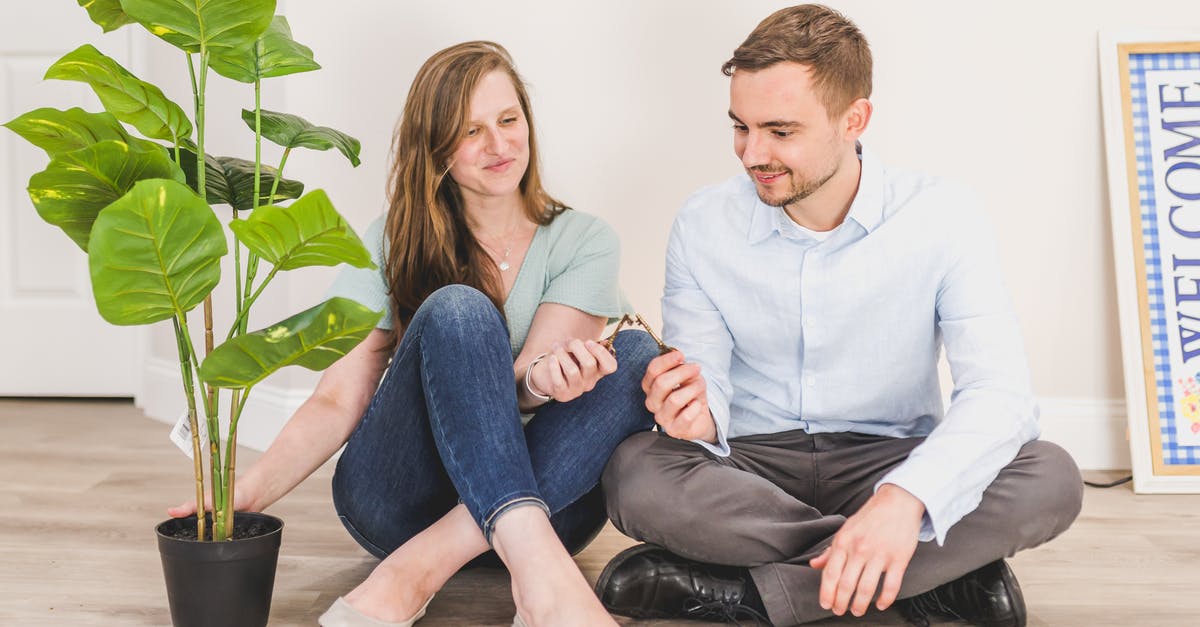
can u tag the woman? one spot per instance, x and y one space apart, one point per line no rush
497 293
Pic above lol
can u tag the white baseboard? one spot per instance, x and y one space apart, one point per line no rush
1093 431
269 407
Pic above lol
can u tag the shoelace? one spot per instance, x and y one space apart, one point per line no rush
922 606
726 608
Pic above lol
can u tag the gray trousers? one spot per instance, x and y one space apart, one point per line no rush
777 500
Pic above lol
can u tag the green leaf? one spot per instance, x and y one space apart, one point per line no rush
124 95
230 181
274 53
106 13
215 25
309 232
77 185
154 253
63 131
293 131
314 338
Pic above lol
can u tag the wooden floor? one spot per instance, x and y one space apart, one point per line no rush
84 482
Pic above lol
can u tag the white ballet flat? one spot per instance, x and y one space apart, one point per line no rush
342 614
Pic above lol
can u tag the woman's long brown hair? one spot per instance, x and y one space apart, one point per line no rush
430 243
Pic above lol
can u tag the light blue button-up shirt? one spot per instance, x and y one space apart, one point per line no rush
844 334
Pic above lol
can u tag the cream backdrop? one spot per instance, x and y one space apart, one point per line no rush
630 107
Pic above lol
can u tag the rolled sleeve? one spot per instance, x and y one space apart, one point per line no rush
694 325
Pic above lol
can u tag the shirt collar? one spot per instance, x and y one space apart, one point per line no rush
764 219
866 209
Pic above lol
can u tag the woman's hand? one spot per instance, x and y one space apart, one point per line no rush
571 369
243 501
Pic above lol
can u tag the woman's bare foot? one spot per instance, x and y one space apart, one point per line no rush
404 582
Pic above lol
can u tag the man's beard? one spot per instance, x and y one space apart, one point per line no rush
800 190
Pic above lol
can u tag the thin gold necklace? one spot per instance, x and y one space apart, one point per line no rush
508 245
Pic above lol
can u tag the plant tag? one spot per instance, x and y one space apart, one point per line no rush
181 433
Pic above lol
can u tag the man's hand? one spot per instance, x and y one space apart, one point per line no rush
678 397
878 540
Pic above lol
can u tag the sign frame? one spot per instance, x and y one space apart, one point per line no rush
1153 243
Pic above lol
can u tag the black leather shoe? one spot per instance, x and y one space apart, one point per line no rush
989 596
647 581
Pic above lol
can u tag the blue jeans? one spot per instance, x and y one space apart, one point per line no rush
444 427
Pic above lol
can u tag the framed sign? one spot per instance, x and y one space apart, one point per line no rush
1151 96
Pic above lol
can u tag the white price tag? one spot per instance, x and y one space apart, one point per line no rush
181 433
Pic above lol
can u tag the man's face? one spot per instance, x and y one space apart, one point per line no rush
782 133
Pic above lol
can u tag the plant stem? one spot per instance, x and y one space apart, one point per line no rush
250 301
191 351
197 105
257 141
214 435
237 270
235 413
185 369
214 425
252 258
279 172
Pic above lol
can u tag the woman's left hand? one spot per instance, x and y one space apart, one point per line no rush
571 369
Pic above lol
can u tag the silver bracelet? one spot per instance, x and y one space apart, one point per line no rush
528 387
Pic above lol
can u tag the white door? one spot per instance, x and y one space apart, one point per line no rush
52 341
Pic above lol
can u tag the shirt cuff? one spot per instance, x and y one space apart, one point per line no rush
933 523
720 414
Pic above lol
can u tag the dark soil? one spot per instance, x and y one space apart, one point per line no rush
243 527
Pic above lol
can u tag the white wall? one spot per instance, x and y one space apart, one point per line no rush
630 107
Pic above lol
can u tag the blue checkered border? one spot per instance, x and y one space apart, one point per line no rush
1173 453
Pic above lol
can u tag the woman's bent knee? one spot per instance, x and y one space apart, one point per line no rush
458 310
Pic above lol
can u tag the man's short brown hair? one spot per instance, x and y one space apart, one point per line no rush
816 36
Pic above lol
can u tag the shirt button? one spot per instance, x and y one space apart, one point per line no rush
810 381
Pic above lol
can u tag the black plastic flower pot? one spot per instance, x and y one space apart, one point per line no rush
220 584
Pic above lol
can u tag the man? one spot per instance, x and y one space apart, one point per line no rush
810 469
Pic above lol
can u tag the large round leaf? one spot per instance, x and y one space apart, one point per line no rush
212 24
106 13
154 253
63 131
309 232
274 53
314 339
77 185
124 95
230 181
293 131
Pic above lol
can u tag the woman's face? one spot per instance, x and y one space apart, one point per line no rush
492 156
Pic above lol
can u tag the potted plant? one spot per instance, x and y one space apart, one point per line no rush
148 212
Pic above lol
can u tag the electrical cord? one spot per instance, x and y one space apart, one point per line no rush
1109 485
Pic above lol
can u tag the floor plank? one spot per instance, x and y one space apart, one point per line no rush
86 481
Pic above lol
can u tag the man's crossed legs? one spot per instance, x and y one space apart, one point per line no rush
778 499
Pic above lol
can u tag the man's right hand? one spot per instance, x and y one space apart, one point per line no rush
678 397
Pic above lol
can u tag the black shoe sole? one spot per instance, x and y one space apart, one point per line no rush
606 575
